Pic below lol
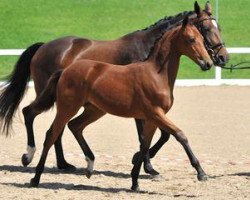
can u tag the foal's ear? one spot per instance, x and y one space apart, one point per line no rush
197 8
185 22
208 8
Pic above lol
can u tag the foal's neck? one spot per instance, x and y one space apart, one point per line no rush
165 58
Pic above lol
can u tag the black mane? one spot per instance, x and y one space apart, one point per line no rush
150 35
169 19
165 24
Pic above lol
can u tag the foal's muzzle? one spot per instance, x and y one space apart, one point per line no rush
205 65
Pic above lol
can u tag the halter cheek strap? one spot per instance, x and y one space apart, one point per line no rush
210 48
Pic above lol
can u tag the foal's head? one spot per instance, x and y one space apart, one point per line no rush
191 43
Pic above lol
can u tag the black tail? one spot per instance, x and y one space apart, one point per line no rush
13 91
48 96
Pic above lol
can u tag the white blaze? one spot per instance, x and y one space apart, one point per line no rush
215 23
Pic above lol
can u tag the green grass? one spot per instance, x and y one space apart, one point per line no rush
24 22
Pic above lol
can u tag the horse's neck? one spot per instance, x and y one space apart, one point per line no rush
139 44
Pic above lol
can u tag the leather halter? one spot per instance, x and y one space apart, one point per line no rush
210 48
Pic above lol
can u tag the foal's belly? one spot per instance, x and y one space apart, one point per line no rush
115 103
115 98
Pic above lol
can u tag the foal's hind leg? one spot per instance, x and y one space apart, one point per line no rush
62 117
164 123
30 112
89 115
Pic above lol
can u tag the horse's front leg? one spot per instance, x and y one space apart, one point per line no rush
148 168
158 145
77 125
145 140
61 162
164 123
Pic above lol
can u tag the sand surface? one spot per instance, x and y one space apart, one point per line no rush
216 121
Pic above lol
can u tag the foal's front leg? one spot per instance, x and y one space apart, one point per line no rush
164 123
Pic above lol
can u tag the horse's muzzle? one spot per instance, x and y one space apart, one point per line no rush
221 60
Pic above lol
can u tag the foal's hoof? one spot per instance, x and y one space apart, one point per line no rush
202 177
25 160
34 183
66 167
135 188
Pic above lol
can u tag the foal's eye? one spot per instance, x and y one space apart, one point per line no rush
191 40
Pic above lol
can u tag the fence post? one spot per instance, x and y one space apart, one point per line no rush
217 69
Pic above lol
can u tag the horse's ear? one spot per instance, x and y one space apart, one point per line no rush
208 8
185 22
197 8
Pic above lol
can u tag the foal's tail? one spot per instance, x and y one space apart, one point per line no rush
48 96
13 91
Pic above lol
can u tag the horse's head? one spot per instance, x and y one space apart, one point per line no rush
190 43
210 30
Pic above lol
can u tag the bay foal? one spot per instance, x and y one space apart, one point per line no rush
142 90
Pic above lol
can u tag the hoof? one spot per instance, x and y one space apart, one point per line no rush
135 188
34 183
25 160
151 171
66 167
135 158
202 177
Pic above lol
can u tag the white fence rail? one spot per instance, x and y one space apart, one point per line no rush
180 82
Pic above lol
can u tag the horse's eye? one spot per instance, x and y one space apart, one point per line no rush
191 40
206 28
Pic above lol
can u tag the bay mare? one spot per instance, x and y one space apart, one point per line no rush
40 60
142 90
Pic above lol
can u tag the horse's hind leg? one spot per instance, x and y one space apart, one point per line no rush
29 117
89 115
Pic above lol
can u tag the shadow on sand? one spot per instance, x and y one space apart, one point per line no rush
246 174
78 171
57 186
